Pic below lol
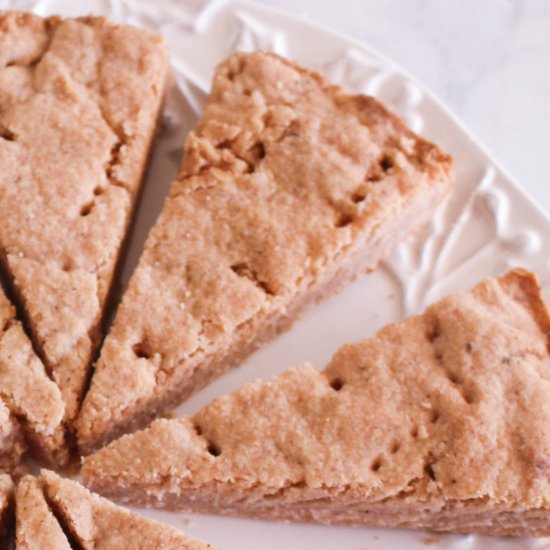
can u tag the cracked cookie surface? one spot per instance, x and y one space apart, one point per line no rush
31 407
78 105
439 422
288 188
60 513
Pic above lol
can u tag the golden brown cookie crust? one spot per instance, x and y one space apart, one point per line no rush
79 100
439 422
97 524
289 187
31 407
36 526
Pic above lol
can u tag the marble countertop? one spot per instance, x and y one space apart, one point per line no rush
488 61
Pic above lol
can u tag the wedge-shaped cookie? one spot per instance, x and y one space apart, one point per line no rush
52 509
6 509
439 422
78 105
288 188
31 407
36 526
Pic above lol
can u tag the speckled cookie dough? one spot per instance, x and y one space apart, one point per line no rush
78 105
439 422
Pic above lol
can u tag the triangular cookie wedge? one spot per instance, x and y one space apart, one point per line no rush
288 188
31 406
35 524
439 422
53 508
6 509
78 105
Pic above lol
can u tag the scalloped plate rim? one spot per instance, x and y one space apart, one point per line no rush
322 27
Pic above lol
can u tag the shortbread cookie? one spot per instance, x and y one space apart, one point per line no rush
78 103
12 441
6 508
36 526
52 508
289 187
31 407
439 422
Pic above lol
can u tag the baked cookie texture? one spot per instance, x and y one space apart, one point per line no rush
50 508
31 406
35 525
288 188
79 100
6 508
439 422
12 441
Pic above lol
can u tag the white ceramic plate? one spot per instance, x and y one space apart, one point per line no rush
485 227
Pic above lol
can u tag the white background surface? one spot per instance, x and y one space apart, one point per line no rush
489 61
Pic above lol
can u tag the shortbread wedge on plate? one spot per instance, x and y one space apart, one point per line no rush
52 509
36 526
439 422
31 406
289 187
79 100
